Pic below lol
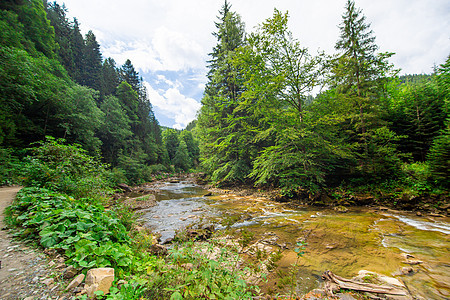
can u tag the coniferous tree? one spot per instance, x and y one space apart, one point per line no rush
110 77
359 74
225 155
130 75
77 45
58 19
92 63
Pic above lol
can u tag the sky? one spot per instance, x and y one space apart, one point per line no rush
168 41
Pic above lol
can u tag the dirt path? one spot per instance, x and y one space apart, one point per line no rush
25 273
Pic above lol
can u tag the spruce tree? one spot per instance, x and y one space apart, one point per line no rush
58 19
359 74
77 46
92 64
131 76
110 77
226 156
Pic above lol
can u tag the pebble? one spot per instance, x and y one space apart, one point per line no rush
48 282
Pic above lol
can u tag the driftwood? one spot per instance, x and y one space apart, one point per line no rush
334 283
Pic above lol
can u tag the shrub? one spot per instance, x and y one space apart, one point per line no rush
65 168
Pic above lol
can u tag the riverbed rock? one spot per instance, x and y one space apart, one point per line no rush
99 279
48 281
69 272
406 256
341 209
406 270
158 250
412 262
124 187
75 282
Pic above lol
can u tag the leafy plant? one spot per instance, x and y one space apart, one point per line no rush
65 168
207 278
89 235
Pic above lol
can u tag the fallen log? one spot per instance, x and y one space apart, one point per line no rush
334 283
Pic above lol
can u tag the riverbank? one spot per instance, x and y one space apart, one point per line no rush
326 232
265 233
26 272
341 200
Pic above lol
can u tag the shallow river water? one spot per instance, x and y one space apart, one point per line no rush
360 239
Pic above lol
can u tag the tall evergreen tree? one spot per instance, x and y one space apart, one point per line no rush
359 75
58 19
77 45
92 64
110 77
130 75
225 155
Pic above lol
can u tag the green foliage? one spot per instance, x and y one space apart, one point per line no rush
225 142
171 141
181 159
9 167
133 290
88 254
38 98
82 117
31 89
417 115
89 235
216 278
300 249
439 159
27 27
92 62
65 168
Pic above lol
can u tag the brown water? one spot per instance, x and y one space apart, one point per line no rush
360 239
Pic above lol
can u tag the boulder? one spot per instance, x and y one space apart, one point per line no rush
99 279
124 187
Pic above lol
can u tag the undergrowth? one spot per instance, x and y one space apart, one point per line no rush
56 213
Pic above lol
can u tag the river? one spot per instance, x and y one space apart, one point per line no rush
359 239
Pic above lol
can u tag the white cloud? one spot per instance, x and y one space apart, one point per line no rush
163 79
174 105
167 51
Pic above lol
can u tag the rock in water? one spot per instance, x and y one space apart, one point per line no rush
99 279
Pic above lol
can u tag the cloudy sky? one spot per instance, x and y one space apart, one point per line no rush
168 41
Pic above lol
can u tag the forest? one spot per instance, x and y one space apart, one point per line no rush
261 123
275 117
54 82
